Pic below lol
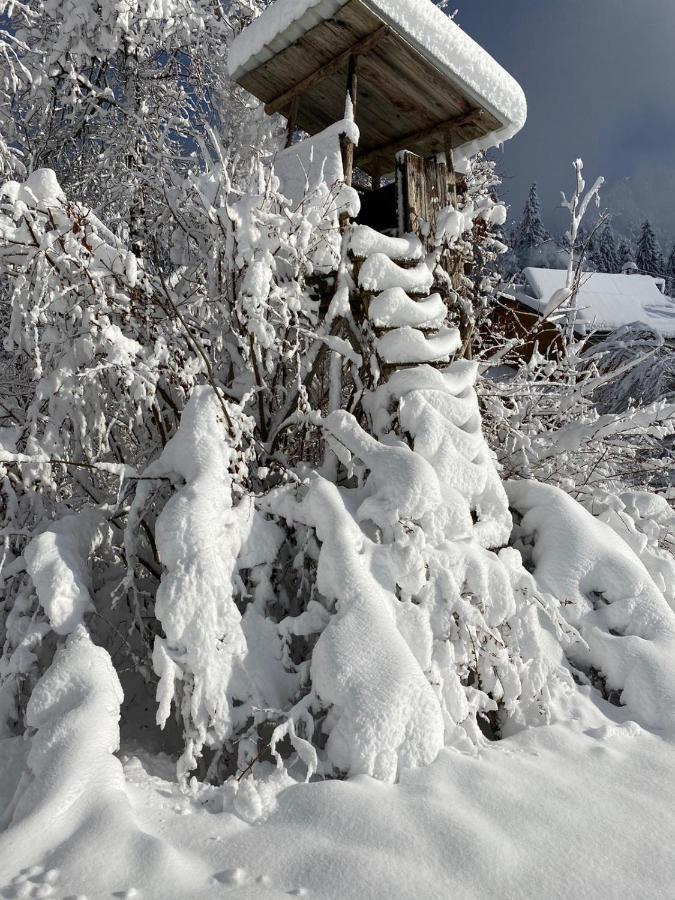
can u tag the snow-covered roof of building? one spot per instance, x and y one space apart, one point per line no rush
604 302
422 72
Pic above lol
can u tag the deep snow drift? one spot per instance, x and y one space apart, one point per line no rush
580 810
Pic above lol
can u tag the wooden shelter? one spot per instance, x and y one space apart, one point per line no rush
383 86
407 95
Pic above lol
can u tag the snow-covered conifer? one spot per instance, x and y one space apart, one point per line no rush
530 231
670 273
649 257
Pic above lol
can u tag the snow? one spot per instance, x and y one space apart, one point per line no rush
379 273
424 26
365 241
556 812
199 535
40 190
604 302
317 159
611 599
439 409
406 345
57 561
394 308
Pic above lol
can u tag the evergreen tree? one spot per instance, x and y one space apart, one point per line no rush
626 254
670 273
530 232
649 257
605 254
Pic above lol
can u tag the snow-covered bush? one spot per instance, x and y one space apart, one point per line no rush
281 524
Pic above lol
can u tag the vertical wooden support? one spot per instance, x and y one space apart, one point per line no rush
422 192
292 122
450 163
346 143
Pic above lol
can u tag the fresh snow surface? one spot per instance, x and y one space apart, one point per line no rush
302 167
582 810
604 302
379 273
57 561
423 25
407 345
394 309
365 241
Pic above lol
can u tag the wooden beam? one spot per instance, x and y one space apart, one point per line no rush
292 123
346 143
330 68
449 125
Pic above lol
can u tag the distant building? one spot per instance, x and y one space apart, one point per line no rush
604 303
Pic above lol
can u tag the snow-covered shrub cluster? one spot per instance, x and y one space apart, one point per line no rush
277 517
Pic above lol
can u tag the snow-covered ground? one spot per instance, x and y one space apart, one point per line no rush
585 809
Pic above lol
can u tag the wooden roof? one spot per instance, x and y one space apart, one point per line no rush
405 101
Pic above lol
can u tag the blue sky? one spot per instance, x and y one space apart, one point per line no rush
599 76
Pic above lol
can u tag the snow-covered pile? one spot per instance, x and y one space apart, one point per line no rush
424 26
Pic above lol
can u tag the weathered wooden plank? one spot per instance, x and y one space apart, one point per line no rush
424 191
402 142
401 92
326 70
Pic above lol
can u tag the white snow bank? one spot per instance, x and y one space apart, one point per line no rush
394 309
424 26
407 345
58 563
385 715
646 522
40 190
553 812
439 409
70 806
611 599
379 273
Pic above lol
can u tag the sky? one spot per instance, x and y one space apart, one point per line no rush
599 76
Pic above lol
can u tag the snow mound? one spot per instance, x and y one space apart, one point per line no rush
379 273
407 345
71 804
395 309
439 409
57 561
302 167
609 595
365 241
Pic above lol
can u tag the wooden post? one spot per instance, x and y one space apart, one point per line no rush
346 143
377 179
292 122
450 163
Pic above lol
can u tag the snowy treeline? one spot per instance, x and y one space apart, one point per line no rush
285 545
638 249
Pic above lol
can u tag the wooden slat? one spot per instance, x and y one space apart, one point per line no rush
402 96
326 70
424 191
440 129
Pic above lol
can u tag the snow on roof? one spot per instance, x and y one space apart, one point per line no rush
605 302
423 25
